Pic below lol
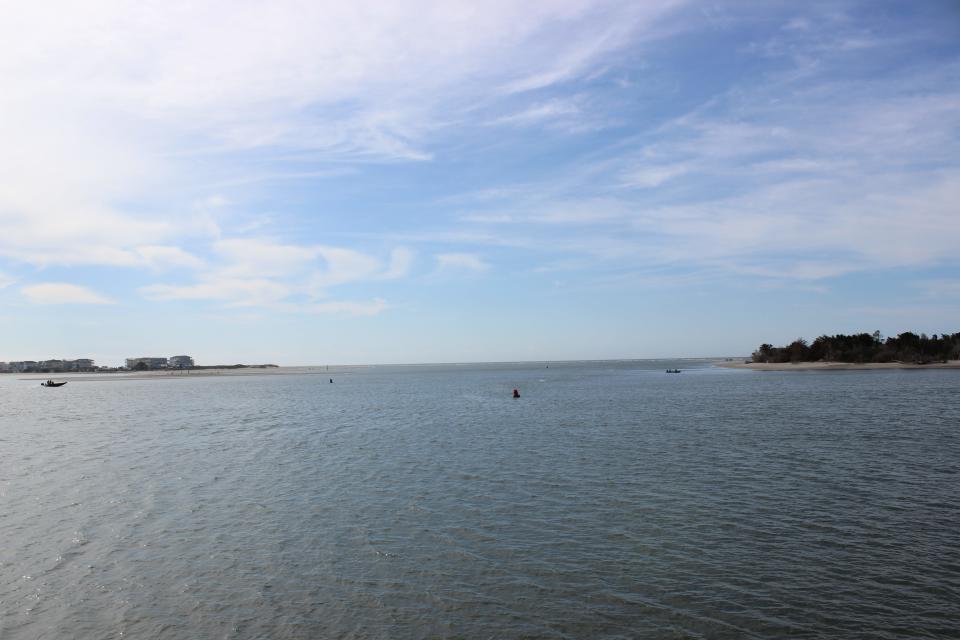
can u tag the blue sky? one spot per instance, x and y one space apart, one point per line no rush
369 182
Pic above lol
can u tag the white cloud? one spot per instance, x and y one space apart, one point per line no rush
123 150
350 308
401 261
540 112
62 293
800 165
343 266
645 177
161 257
5 280
257 257
114 116
461 262
260 272
259 292
323 266
840 178
268 62
241 292
584 48
572 115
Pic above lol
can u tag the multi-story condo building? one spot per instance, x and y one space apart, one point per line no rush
180 362
80 364
146 363
48 366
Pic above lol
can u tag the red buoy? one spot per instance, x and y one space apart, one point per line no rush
516 393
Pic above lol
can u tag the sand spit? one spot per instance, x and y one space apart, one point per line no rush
835 366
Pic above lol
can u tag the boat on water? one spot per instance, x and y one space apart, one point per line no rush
673 370
51 383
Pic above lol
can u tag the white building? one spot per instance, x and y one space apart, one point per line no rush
50 366
180 362
80 364
146 363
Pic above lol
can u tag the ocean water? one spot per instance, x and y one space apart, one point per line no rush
612 500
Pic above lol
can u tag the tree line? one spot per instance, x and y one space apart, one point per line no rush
866 347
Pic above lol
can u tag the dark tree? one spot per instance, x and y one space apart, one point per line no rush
866 347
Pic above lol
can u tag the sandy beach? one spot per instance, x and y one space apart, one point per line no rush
835 366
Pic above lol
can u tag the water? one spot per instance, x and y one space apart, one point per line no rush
611 501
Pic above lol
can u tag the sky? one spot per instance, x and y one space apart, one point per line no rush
395 182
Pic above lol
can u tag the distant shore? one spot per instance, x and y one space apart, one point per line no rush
835 366
186 374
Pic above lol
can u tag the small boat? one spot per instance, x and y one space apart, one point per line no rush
673 370
51 383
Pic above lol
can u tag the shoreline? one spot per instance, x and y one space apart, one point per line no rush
345 369
118 376
835 366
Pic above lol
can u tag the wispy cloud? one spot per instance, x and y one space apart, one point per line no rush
401 262
260 293
341 266
838 179
242 292
646 177
573 115
160 258
259 257
448 262
584 49
940 288
62 293
262 272
349 308
106 159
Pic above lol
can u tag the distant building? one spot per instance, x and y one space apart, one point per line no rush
146 363
180 362
80 364
50 366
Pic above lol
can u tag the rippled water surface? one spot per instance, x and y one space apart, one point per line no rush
610 500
